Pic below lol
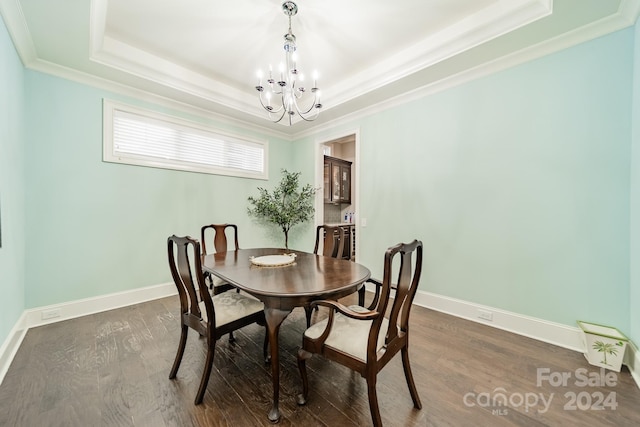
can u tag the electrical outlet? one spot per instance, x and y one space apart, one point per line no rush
363 222
50 314
486 315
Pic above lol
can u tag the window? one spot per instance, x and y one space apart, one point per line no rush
139 137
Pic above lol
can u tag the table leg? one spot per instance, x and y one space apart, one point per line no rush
274 317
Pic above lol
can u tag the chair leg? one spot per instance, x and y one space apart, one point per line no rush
207 372
409 376
303 355
307 312
361 294
373 400
231 337
181 345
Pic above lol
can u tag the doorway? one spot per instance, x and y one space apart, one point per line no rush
337 166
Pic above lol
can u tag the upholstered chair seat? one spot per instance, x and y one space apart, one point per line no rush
348 335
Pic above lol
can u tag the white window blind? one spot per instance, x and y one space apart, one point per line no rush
140 137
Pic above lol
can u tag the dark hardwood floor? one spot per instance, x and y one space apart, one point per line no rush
111 369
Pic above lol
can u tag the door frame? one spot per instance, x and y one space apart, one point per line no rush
355 182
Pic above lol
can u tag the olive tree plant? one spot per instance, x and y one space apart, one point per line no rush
286 206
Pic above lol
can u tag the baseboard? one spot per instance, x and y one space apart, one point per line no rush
69 310
633 361
58 312
538 329
10 346
542 330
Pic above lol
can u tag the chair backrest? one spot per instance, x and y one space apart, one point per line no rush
183 251
409 269
219 237
333 241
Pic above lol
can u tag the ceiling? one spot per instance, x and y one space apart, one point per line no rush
204 54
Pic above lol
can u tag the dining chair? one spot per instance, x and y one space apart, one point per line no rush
220 244
331 239
364 339
210 316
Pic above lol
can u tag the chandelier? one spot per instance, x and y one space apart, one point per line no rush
287 95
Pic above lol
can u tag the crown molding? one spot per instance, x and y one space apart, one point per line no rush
16 23
115 54
627 16
152 98
487 24
491 22
128 59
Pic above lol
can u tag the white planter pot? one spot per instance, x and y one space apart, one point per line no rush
604 345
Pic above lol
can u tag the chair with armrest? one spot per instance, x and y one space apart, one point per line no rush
363 339
220 244
211 317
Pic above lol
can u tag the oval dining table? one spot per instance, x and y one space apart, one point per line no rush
282 288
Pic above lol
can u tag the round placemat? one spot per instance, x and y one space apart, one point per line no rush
274 260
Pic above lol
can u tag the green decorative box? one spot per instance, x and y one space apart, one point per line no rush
604 345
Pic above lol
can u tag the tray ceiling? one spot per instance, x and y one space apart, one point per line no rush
205 54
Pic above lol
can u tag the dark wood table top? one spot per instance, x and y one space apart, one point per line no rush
310 277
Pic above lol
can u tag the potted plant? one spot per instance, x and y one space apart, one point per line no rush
286 206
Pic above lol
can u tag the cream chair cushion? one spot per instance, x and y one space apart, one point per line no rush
230 306
349 335
216 281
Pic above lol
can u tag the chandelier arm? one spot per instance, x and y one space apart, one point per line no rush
282 108
269 108
313 105
307 119
284 111
276 89
298 95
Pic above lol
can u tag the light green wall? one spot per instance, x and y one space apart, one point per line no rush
634 294
95 228
12 187
517 183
